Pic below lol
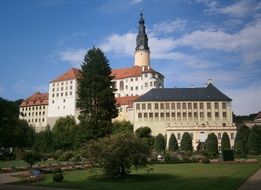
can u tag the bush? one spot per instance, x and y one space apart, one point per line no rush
66 156
76 158
205 160
57 170
159 145
57 177
212 146
117 154
32 157
186 143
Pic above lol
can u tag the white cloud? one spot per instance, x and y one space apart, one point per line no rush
120 44
73 56
243 42
170 26
133 2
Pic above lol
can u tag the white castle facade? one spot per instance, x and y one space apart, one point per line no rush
142 100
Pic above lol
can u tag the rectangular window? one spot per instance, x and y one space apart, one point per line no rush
143 106
162 106
137 106
224 114
216 114
156 115
195 114
209 114
219 136
201 106
136 88
195 105
190 115
53 90
184 106
162 115
131 88
208 105
136 79
149 106
167 114
189 106
173 106
184 114
139 115
216 105
156 106
173 114
223 105
201 114
179 115
146 84
167 106
57 94
232 136
151 83
145 115
70 93
178 106
150 115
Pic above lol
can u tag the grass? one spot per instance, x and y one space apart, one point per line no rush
17 163
165 176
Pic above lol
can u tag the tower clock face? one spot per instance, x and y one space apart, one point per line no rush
141 47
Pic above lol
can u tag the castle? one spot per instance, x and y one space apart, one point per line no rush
142 100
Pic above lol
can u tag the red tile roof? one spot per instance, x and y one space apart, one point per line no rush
36 99
126 100
73 73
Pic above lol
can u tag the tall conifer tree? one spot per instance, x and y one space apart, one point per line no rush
95 95
225 142
173 143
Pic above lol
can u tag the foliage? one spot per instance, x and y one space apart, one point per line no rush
225 142
96 95
118 154
159 144
66 156
122 127
173 143
245 131
57 177
143 132
254 140
44 141
31 157
212 146
186 143
57 170
64 132
205 160
240 148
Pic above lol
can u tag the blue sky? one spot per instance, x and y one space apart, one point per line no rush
190 42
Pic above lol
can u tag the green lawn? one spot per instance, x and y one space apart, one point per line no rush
166 176
12 163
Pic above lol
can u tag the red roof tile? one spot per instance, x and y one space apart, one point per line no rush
73 73
126 100
35 100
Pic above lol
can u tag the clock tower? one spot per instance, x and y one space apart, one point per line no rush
142 50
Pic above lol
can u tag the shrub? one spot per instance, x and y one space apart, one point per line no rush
32 157
212 146
57 177
240 148
66 156
117 154
186 143
57 170
205 160
76 158
225 142
173 143
159 145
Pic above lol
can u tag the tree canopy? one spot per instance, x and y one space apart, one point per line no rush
96 95
186 143
212 145
173 143
225 142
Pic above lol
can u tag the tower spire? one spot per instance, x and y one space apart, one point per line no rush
142 38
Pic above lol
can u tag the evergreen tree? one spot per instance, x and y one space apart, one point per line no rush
225 142
159 145
254 140
143 132
212 145
96 98
44 141
173 143
245 131
186 143
240 148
